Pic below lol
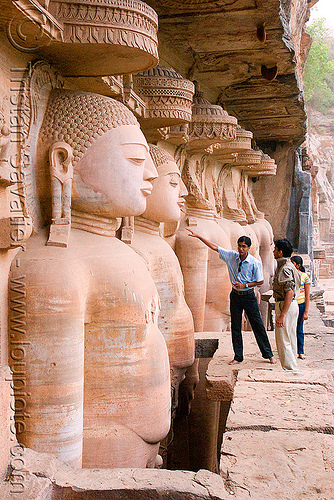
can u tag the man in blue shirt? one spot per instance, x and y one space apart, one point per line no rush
245 274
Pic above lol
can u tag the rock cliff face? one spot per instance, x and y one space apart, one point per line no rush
321 151
246 55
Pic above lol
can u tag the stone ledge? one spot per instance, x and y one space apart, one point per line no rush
324 378
30 488
220 380
206 344
113 484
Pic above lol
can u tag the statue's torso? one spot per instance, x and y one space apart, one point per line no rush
209 273
92 313
175 319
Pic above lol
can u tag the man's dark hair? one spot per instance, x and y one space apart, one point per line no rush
246 240
284 246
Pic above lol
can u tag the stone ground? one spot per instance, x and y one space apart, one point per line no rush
279 440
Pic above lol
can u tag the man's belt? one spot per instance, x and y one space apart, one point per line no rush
242 292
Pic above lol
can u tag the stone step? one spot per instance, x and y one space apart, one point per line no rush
281 405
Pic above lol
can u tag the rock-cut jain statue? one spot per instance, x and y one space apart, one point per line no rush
175 319
97 370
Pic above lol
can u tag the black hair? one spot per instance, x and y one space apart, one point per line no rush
284 246
246 240
298 260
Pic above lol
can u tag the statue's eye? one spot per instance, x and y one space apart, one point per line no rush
174 180
137 161
135 153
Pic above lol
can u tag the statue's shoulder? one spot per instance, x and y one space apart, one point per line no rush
40 262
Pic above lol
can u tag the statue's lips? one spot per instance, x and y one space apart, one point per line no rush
181 204
146 191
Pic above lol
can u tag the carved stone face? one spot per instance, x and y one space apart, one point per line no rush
166 200
113 178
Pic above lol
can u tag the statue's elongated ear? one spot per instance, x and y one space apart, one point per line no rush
61 170
61 157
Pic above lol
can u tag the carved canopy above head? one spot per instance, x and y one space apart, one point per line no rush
243 138
103 37
267 166
210 125
168 97
248 160
226 151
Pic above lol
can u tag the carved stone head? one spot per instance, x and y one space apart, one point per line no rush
166 200
112 167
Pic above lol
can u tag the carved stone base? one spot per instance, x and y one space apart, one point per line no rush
59 235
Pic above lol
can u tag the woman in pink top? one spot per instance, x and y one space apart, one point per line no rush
303 301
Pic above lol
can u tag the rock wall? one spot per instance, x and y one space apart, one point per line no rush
275 203
320 150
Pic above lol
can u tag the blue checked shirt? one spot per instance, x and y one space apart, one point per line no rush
250 268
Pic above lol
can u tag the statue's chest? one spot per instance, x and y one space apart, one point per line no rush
121 289
162 263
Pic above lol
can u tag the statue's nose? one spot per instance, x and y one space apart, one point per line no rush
150 172
183 189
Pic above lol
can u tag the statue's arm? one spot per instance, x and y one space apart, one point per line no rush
46 321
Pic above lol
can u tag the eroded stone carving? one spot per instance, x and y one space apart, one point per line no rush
4 151
15 228
234 198
36 84
229 182
201 283
97 369
248 201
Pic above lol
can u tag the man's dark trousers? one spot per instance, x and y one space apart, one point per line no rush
246 301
